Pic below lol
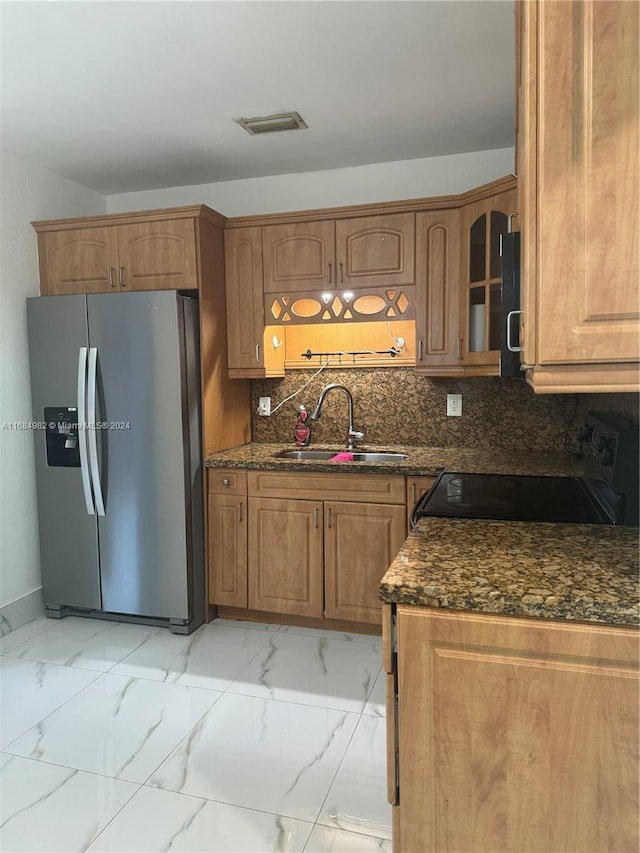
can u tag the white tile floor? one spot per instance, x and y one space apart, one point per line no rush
241 737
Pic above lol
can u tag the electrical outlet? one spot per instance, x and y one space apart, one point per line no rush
264 406
454 405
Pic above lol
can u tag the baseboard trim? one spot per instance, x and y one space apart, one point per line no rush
24 609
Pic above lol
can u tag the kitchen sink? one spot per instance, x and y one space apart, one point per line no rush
358 456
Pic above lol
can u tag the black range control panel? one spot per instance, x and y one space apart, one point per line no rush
63 450
610 445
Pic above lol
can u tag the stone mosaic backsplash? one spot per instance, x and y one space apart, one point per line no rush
398 407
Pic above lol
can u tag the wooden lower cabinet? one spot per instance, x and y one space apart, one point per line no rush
285 556
515 734
227 537
321 558
228 550
360 542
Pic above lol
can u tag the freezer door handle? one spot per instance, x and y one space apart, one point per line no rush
82 429
92 427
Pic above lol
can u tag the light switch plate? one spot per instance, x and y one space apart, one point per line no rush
454 405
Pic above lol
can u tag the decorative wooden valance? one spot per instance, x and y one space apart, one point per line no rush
382 303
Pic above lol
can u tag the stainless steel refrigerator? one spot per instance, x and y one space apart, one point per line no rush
116 404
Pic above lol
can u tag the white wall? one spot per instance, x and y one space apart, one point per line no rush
27 193
333 188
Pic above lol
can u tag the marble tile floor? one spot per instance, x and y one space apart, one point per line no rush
242 737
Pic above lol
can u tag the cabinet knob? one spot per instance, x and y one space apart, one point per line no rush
225 481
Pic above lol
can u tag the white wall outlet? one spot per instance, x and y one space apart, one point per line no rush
454 405
264 406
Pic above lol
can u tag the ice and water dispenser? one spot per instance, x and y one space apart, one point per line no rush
61 432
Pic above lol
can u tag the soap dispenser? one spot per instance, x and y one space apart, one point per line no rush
302 431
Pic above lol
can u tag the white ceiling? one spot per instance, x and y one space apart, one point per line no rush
123 96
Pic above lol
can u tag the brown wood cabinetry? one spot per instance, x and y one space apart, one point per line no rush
317 544
438 293
458 271
299 256
78 260
285 556
513 734
578 171
480 300
151 251
360 542
227 532
367 251
374 251
251 349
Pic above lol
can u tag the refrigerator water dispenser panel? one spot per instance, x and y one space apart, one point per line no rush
63 450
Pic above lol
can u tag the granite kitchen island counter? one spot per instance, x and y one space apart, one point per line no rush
577 572
420 461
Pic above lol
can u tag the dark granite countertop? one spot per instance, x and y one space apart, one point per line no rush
577 572
425 461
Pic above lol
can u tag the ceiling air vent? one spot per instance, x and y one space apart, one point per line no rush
272 123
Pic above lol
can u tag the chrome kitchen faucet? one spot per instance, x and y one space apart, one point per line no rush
352 435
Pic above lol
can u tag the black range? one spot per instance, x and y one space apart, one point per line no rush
607 494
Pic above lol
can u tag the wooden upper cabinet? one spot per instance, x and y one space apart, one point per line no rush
483 222
299 257
375 251
313 256
158 255
154 250
78 260
579 124
250 343
438 293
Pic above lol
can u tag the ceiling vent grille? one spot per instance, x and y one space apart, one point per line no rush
272 123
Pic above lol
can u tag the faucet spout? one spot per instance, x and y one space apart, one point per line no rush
352 434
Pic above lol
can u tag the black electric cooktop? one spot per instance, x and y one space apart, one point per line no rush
572 500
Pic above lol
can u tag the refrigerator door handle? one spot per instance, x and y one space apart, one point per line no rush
82 427
92 427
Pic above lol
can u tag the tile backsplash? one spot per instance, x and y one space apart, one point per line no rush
399 407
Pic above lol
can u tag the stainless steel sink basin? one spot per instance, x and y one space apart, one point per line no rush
358 456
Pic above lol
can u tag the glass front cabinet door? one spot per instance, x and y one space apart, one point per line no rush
484 222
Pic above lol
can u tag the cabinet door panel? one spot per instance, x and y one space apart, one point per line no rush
515 735
299 257
158 255
228 550
588 183
374 251
480 332
361 541
245 317
80 260
285 556
437 292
